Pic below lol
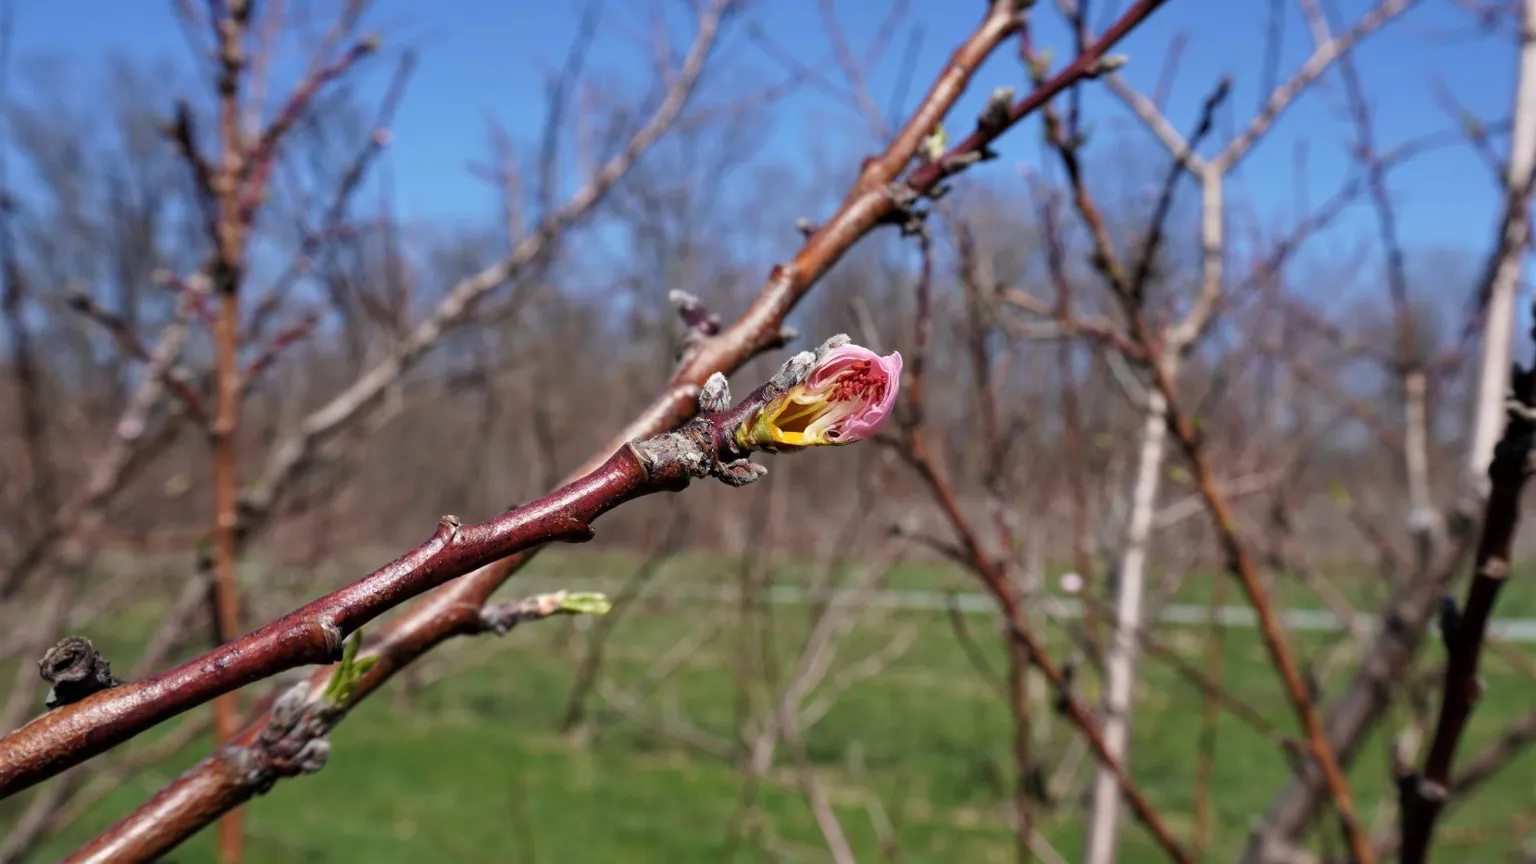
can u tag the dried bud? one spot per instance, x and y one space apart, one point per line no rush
76 670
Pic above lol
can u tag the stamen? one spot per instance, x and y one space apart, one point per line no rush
858 381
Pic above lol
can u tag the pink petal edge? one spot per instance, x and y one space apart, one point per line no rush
863 424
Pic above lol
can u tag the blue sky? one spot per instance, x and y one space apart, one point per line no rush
484 58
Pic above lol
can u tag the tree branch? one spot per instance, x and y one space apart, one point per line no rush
315 633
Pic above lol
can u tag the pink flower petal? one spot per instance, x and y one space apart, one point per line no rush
869 414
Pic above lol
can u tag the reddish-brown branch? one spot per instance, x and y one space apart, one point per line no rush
229 237
60 802
232 191
314 633
1086 65
272 746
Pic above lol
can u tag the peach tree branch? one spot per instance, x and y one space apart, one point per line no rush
709 446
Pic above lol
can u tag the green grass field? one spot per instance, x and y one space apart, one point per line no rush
474 768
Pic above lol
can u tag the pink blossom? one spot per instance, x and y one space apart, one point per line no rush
844 399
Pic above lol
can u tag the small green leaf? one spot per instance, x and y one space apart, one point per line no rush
586 603
348 671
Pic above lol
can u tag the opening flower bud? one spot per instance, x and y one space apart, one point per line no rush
844 399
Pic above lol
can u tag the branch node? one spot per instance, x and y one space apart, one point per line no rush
674 450
1495 568
906 215
902 195
334 639
574 530
448 528
294 740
